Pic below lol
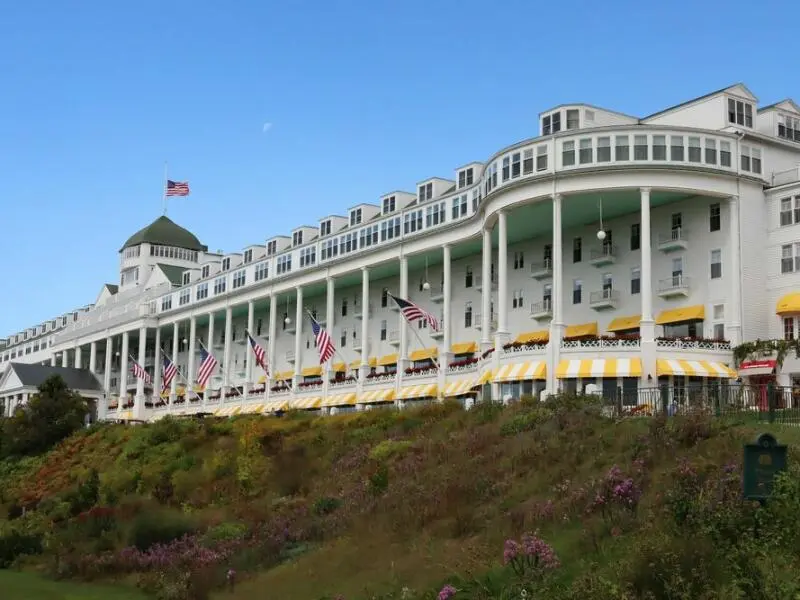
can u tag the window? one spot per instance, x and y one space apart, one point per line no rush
640 151
186 277
676 148
184 297
459 207
220 284
711 152
659 147
272 247
788 128
756 160
262 271
714 217
389 205
344 307
517 299
541 158
384 297
636 236
515 165
355 217
204 272
465 177
719 331
284 264
694 150
390 229
790 258
527 161
412 222
623 149
467 314
636 280
343 339
519 259
426 192
786 212
547 296
604 149
740 113
383 330
325 228
506 168
226 264
573 116
468 277
788 328
368 236
248 256
577 291
577 250
239 279
585 154
166 303
716 264
551 123
297 238
608 283
725 154
747 163
568 153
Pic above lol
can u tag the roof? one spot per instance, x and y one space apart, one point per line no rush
33 375
697 99
173 273
112 289
166 232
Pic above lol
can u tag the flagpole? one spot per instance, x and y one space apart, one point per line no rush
225 371
164 191
419 339
181 376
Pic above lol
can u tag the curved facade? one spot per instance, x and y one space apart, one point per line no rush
610 250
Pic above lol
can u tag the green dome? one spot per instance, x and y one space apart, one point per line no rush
165 232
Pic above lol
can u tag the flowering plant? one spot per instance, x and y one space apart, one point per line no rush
530 557
446 592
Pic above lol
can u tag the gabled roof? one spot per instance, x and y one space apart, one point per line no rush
173 273
33 375
165 232
728 88
112 289
786 104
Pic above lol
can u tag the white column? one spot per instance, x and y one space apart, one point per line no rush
123 369
173 388
102 407
502 287
447 299
486 291
647 326
403 325
53 360
557 324
65 358
329 299
209 348
158 360
734 329
138 401
364 322
226 373
93 357
249 351
298 337
78 357
190 374
273 331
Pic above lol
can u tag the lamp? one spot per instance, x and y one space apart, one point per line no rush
601 233
426 284
288 319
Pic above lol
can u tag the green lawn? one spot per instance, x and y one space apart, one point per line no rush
26 586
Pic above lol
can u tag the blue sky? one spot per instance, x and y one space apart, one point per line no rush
364 97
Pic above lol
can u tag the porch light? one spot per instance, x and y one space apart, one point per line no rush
288 320
426 285
601 235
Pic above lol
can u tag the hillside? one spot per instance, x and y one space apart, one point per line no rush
400 504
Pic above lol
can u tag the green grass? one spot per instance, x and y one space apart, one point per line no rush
15 585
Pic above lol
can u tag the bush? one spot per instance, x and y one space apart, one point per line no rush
326 505
388 448
14 543
158 527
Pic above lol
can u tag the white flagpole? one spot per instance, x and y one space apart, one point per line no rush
181 376
164 190
409 324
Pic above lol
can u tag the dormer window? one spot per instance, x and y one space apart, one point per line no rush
226 264
248 256
789 128
573 119
425 192
204 272
355 217
465 178
186 277
551 123
389 205
740 112
297 238
325 228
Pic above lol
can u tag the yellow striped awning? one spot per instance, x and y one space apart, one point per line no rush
485 377
251 409
127 415
373 396
532 369
307 403
276 405
283 375
198 388
373 362
348 399
693 368
424 354
388 359
427 390
788 304
624 323
464 348
459 388
314 371
573 331
599 367
680 315
227 411
339 367
533 337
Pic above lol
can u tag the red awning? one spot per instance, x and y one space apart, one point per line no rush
757 367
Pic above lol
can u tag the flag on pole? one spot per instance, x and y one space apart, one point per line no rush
177 188
322 340
170 370
207 365
140 373
258 351
413 313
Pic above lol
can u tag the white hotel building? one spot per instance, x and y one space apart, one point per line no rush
609 249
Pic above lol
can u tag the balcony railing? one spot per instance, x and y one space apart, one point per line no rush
605 255
693 344
478 322
605 298
676 239
479 282
543 309
542 270
671 287
437 292
601 343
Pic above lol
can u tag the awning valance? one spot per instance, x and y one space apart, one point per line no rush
757 367
227 411
339 367
307 403
681 315
388 359
788 304
424 354
459 388
276 405
599 367
427 390
373 396
356 364
485 377
464 348
314 371
573 331
532 337
624 323
283 375
251 409
532 369
340 400
693 368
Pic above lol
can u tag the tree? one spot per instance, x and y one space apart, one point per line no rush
50 416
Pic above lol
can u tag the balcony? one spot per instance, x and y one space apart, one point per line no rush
394 338
674 240
289 356
677 286
358 311
291 327
605 255
479 322
542 310
358 345
604 299
479 283
542 270
437 293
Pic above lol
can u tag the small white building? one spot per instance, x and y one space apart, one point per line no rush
21 381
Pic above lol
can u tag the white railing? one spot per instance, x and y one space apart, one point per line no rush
335 385
680 344
381 379
470 368
787 176
676 282
432 372
677 234
526 349
601 344
604 296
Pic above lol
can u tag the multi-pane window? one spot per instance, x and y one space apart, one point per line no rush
636 236
740 113
659 147
577 291
506 168
384 297
468 277
577 250
636 280
166 303
460 206
325 228
789 128
239 279
348 243
262 271
725 154
308 256
383 330
716 264
695 151
425 192
205 271
568 153
435 213
297 238
220 284
272 247
330 248
515 165
186 277
519 259
355 217
527 161
640 148
344 307
248 256
184 297
465 178
551 123
390 229
790 258
622 147
226 263
541 158
714 217
751 159
676 148
711 151
788 328
517 299
573 118
585 154
412 221
389 205
468 314
284 264
604 149
368 236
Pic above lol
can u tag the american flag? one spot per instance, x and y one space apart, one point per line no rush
258 351
413 313
323 341
170 370
140 373
207 365
177 188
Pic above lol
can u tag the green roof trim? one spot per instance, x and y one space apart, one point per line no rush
173 273
165 232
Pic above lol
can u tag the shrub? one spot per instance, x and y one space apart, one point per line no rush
525 421
326 505
379 480
224 532
153 527
388 448
15 543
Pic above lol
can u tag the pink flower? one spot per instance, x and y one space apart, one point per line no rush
447 592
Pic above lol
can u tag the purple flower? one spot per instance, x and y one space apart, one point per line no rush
447 592
510 551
